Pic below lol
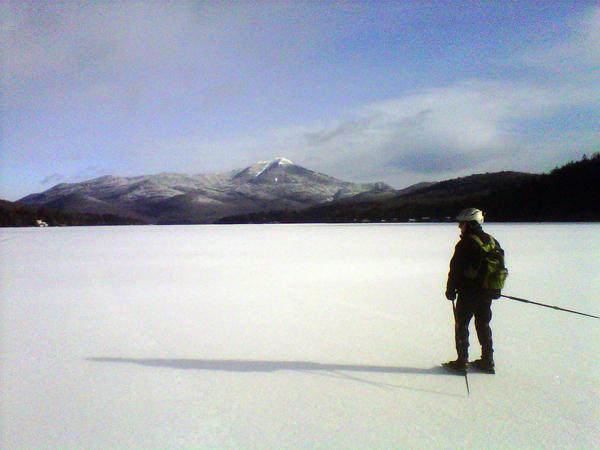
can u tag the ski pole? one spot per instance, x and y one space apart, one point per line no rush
549 306
455 331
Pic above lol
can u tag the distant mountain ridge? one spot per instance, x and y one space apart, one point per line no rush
280 191
568 193
178 198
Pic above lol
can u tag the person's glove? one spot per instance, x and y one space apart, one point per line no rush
451 295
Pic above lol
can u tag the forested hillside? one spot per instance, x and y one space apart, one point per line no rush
18 215
568 193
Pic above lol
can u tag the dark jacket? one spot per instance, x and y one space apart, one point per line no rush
466 268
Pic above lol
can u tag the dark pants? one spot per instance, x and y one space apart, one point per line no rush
467 306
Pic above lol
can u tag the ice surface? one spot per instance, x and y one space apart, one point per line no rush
328 337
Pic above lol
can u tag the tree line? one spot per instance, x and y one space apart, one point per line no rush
17 215
567 193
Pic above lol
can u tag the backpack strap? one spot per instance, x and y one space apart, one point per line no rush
485 247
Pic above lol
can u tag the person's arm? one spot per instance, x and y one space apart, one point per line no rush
455 271
466 256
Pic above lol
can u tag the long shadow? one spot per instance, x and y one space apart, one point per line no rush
239 365
242 365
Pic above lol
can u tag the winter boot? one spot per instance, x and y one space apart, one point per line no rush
484 364
458 365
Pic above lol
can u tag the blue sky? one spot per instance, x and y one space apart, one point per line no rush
399 92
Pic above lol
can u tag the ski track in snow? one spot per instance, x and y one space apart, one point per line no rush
328 337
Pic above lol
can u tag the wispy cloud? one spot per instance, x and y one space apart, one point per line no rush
101 51
95 48
53 179
474 125
575 55
471 126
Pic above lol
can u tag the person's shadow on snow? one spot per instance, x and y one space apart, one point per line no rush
237 365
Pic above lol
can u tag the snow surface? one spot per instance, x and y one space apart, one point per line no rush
280 161
327 337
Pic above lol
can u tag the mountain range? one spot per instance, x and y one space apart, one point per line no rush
281 191
169 198
567 193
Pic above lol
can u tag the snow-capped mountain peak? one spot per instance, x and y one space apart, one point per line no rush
179 198
280 161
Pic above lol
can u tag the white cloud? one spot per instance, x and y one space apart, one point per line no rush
474 125
88 47
471 126
453 131
99 51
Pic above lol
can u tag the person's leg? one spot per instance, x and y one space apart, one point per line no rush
483 317
464 314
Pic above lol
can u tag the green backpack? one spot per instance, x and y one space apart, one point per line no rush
494 271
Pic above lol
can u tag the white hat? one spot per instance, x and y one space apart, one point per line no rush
470 214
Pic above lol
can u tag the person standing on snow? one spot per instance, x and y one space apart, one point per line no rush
466 279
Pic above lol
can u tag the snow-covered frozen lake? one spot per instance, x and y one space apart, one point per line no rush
289 336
